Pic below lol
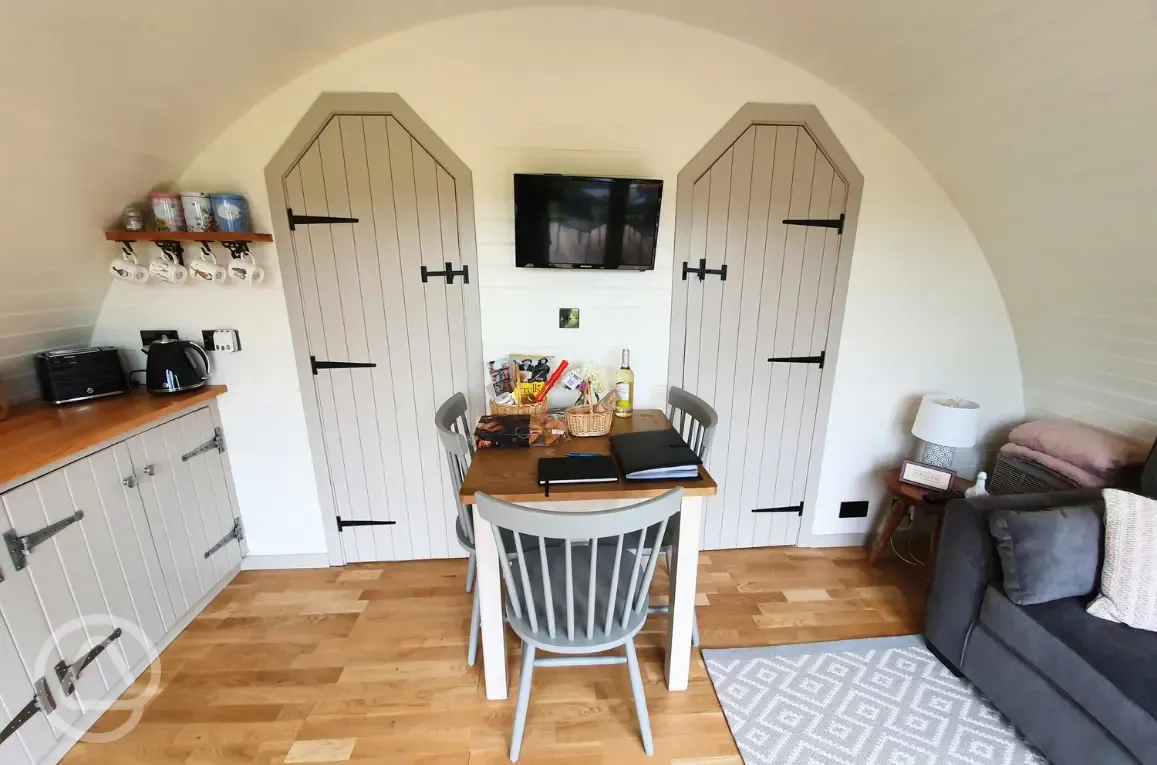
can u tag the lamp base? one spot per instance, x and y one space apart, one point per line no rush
936 454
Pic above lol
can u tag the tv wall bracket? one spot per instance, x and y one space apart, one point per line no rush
448 272
703 270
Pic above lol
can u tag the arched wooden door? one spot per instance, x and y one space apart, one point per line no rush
382 283
763 224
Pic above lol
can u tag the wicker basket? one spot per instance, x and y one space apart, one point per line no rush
532 409
584 421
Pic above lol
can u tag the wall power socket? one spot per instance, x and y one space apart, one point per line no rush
223 340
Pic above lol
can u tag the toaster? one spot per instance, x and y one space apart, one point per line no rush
78 374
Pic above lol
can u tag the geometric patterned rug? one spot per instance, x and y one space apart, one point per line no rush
881 701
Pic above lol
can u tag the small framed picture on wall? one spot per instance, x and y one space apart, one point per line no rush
927 476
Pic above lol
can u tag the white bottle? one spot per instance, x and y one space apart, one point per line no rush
977 489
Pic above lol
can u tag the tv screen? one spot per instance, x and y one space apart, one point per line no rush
565 221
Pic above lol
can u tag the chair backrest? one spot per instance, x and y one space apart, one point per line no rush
454 430
693 418
589 578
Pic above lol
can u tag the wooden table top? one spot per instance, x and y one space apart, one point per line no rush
512 474
37 434
915 494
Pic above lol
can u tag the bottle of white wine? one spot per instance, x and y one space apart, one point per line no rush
625 387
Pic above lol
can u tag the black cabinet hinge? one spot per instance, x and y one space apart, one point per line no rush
354 524
216 442
703 270
42 701
448 272
20 547
818 360
309 220
68 674
315 365
836 223
796 509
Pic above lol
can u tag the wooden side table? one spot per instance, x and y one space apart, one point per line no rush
905 496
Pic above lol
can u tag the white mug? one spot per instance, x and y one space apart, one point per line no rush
168 271
128 271
246 271
204 268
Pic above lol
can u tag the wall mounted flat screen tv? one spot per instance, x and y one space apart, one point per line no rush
567 221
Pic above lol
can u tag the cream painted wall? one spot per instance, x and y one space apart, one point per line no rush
618 93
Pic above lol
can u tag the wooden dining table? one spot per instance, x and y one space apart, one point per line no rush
512 475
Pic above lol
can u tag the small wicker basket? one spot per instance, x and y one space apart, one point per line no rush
538 408
583 421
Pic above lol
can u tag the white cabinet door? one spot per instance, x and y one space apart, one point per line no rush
35 738
49 605
186 502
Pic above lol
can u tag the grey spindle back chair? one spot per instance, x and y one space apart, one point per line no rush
695 420
454 431
581 590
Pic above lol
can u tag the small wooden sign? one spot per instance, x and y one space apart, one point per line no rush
927 476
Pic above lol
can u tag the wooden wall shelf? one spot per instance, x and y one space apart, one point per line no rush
186 236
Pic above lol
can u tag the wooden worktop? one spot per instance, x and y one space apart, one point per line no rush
36 434
512 474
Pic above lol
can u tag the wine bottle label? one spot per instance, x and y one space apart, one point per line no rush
624 391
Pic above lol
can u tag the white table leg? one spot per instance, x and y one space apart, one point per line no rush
489 589
686 573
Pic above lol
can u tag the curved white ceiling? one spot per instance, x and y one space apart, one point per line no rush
1038 117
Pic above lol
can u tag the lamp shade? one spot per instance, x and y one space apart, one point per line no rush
947 421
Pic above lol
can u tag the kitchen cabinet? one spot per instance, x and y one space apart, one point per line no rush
107 557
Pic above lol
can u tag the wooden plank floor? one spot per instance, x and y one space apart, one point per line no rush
367 664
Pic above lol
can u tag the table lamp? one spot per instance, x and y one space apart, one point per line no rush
944 424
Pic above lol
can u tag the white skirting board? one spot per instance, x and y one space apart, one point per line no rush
858 539
272 562
86 722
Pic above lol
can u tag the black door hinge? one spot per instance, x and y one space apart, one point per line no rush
20 547
353 524
309 220
836 223
797 509
42 701
315 365
702 271
819 360
449 273
68 674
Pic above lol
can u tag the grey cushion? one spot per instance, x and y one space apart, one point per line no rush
1047 554
1106 668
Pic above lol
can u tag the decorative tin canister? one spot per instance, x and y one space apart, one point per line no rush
198 211
167 212
231 212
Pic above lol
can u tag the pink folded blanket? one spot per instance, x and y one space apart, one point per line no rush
1075 474
1087 448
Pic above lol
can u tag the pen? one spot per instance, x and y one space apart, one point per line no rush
583 454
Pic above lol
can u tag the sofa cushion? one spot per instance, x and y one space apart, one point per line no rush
1047 554
1106 668
1129 578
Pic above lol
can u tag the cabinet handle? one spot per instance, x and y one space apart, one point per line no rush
130 482
149 470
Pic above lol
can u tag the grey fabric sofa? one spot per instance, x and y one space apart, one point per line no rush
1082 689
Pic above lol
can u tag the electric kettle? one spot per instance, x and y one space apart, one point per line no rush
172 366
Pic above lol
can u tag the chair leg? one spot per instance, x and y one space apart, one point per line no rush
694 616
475 627
471 567
640 697
523 700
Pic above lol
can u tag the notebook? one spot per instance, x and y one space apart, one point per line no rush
655 455
562 470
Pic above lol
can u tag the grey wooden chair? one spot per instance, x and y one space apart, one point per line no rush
454 430
585 594
695 420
